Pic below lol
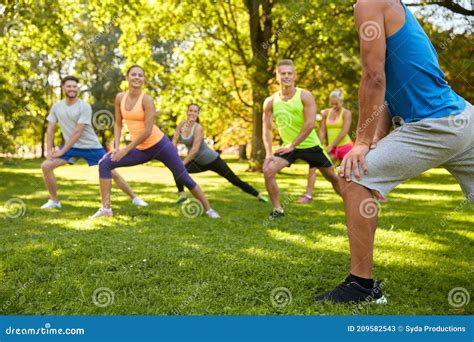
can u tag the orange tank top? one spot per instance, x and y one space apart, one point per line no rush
135 120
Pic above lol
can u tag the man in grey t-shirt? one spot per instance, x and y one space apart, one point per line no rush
74 117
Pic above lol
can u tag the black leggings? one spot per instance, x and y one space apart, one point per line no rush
222 169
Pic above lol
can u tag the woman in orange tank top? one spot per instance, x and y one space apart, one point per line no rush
148 142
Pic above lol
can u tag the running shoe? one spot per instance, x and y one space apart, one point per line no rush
276 213
181 199
139 202
213 214
102 213
263 199
353 292
51 205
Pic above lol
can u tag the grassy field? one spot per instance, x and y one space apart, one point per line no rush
155 261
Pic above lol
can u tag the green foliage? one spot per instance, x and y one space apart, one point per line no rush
201 51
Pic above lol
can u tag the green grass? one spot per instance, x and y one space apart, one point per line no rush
158 262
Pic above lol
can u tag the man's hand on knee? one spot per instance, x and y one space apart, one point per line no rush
352 160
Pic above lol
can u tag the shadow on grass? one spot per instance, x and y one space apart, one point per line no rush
154 259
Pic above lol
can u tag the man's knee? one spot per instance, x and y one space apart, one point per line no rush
269 173
47 166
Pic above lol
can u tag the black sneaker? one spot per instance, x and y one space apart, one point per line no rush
277 213
353 292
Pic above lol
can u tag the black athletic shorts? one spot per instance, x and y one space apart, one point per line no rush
314 156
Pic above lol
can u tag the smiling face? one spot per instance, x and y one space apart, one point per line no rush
286 75
335 103
70 89
193 112
135 77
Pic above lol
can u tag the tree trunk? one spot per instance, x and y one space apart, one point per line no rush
259 72
243 152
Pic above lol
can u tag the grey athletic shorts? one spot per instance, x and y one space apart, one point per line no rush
418 146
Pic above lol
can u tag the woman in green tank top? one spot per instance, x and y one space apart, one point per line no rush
335 124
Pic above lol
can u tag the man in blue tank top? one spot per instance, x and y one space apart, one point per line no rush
401 83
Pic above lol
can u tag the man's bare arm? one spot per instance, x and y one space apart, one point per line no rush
267 126
369 19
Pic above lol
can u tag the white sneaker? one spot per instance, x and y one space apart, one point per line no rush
139 202
51 205
102 212
212 213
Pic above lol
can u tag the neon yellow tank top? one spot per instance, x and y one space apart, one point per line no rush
289 120
335 127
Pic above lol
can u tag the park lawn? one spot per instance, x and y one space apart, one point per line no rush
155 261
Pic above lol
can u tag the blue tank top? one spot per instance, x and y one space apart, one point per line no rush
416 88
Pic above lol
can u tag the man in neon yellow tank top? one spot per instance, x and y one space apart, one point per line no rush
294 111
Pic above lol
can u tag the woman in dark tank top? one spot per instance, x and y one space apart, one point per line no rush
201 157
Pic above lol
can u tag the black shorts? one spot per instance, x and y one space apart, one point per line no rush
314 156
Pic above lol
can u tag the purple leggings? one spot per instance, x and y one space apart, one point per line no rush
163 151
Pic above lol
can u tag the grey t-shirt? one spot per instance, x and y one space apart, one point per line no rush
69 117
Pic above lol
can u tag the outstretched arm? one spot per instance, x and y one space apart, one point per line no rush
197 140
71 141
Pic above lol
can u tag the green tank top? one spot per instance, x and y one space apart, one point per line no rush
334 128
289 120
